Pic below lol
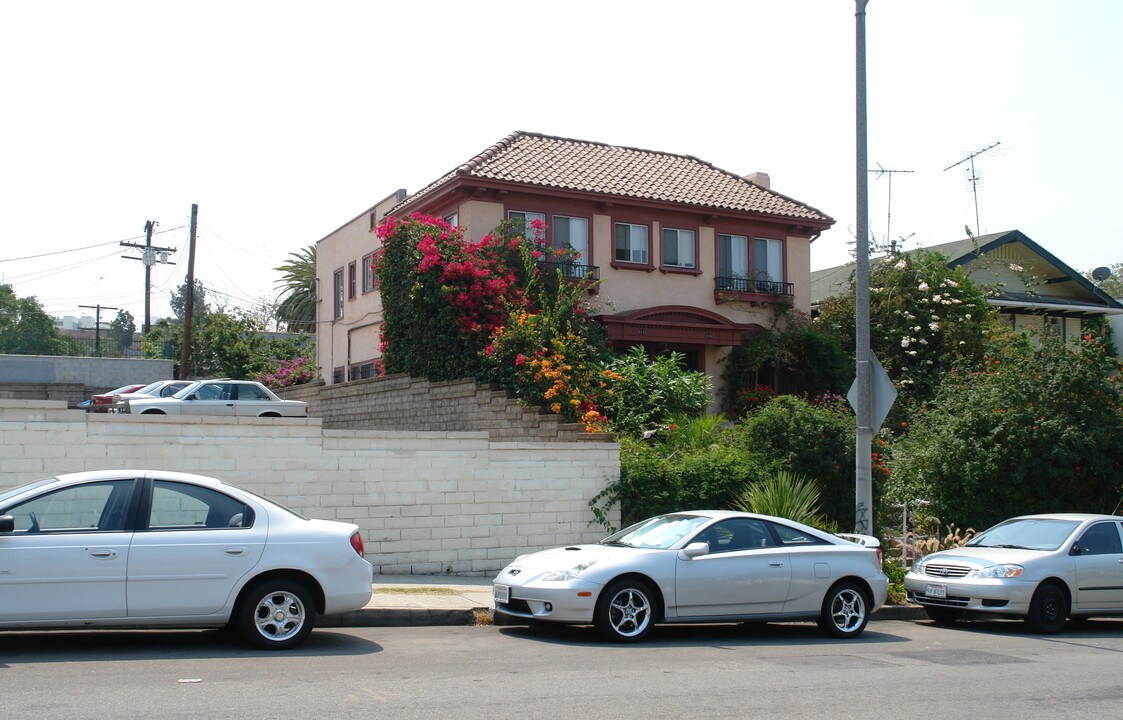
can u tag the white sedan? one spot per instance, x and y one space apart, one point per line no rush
241 398
700 567
159 549
1041 568
160 388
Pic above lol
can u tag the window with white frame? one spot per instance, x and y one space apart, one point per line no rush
338 295
453 219
520 217
630 242
369 277
768 263
678 248
732 262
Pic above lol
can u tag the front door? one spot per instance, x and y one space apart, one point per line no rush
745 573
68 555
1099 568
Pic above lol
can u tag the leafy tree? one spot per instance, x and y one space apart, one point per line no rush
26 329
178 301
121 331
223 345
642 393
297 309
1036 427
923 317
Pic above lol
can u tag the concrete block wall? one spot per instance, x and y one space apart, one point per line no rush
426 502
406 403
107 373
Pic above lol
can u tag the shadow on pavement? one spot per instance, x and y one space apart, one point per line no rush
107 645
677 636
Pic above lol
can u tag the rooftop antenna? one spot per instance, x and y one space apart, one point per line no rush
974 179
889 207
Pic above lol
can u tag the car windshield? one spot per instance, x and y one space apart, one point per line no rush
1026 533
121 390
187 390
658 532
12 492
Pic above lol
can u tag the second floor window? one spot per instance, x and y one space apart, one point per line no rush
768 261
369 279
571 234
519 217
678 248
630 242
337 309
732 257
351 281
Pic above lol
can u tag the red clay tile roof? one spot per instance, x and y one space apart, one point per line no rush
578 165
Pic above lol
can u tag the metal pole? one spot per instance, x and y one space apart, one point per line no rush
863 444
148 275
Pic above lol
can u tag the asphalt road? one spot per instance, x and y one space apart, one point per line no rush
896 670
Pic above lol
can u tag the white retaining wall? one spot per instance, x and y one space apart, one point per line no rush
106 373
427 502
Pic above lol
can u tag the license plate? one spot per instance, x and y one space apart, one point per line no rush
501 593
936 591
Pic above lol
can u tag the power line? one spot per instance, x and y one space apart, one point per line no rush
87 247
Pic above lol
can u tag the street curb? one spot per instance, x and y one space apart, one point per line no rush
401 617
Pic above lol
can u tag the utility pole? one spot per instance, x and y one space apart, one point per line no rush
185 355
863 441
974 179
97 325
149 258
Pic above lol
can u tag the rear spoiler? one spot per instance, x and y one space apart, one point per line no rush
865 541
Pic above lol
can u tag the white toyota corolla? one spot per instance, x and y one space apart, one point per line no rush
138 548
700 567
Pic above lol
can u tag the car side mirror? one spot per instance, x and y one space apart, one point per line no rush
694 550
1075 549
7 524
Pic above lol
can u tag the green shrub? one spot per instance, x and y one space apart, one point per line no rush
652 482
1037 428
644 393
816 442
783 494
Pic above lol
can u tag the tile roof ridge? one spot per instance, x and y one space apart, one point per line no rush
490 153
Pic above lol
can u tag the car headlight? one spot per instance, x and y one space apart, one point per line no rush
568 574
918 566
998 571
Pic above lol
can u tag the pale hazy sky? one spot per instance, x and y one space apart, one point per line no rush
284 120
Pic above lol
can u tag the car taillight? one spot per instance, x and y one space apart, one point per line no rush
357 543
880 561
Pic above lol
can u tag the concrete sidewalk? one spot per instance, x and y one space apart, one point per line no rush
407 600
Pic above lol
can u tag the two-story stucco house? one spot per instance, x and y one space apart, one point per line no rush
690 257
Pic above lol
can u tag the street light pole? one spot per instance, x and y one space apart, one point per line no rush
863 443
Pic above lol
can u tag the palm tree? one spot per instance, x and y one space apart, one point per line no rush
297 310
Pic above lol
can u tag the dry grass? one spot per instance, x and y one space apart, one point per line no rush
482 616
420 590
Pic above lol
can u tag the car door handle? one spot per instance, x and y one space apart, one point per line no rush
236 551
103 554
775 564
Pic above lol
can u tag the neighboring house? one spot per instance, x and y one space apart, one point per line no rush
690 258
1030 287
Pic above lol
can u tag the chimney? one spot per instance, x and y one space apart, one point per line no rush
760 179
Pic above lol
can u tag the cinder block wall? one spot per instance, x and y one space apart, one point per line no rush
426 502
401 402
72 379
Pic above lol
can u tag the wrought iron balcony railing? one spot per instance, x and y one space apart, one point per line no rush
748 285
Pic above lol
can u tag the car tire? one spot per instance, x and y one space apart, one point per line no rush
943 615
1048 609
276 614
153 412
626 611
845 611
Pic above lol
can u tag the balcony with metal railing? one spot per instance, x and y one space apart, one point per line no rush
744 289
571 270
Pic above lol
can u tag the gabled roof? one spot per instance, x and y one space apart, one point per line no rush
1086 297
558 163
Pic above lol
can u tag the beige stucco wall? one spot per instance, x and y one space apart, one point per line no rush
425 502
354 337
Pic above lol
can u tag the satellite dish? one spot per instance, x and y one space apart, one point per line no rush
1100 274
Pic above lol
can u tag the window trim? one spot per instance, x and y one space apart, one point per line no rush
352 276
369 274
647 266
678 269
337 295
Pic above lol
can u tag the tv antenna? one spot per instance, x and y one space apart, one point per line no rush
974 178
889 206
